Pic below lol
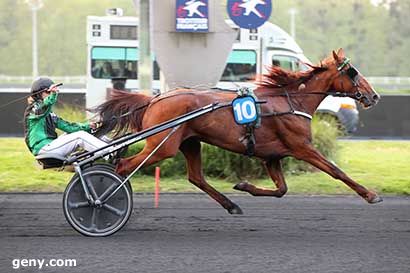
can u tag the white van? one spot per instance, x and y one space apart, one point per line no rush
257 49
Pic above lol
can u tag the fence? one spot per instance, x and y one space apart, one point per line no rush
393 82
28 79
389 80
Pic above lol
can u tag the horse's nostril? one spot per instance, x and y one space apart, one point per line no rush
376 97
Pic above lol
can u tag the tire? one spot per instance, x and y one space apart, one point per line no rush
101 165
95 221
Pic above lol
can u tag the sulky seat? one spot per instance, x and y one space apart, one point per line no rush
50 160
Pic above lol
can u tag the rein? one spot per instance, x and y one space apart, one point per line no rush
25 97
157 97
335 94
127 113
287 94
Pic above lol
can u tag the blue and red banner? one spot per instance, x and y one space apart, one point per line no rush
192 16
249 14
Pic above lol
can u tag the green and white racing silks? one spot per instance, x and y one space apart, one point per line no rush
40 124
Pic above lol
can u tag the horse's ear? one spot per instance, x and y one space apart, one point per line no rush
341 53
335 56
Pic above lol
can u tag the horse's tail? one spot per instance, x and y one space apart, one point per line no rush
122 112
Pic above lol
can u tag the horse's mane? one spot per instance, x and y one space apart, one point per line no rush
278 77
123 111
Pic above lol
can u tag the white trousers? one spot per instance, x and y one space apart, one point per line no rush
68 143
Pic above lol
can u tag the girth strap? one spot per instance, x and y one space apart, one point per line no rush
249 140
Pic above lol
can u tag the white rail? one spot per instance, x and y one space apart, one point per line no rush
397 81
29 79
389 80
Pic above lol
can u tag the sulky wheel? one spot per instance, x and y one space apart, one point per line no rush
101 219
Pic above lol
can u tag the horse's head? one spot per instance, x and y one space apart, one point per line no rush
350 81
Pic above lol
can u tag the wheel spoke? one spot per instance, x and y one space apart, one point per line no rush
113 210
108 191
77 205
94 220
91 188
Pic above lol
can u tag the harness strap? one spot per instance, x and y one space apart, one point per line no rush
295 112
249 139
303 114
345 62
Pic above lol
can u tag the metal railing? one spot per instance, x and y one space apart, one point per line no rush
82 79
29 79
389 80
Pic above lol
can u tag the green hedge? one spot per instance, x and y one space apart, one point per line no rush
70 112
223 164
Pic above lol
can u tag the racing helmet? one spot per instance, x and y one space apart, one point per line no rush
40 84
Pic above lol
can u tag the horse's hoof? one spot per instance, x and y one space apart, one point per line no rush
235 210
373 198
241 186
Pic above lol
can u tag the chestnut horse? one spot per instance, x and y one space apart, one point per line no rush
282 132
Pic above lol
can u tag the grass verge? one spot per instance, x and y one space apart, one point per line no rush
379 165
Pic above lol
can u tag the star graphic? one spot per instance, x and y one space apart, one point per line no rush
250 7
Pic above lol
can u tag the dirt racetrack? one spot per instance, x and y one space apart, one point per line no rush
191 233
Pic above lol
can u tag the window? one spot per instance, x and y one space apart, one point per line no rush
241 66
288 62
155 75
119 32
115 62
238 36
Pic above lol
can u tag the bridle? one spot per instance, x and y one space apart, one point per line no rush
351 72
353 75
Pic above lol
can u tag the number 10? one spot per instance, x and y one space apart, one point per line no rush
245 110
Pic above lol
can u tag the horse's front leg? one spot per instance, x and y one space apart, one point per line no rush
274 169
191 149
311 155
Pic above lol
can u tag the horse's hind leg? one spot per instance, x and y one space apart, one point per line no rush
191 149
126 165
274 169
314 157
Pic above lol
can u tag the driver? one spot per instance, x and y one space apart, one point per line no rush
40 124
